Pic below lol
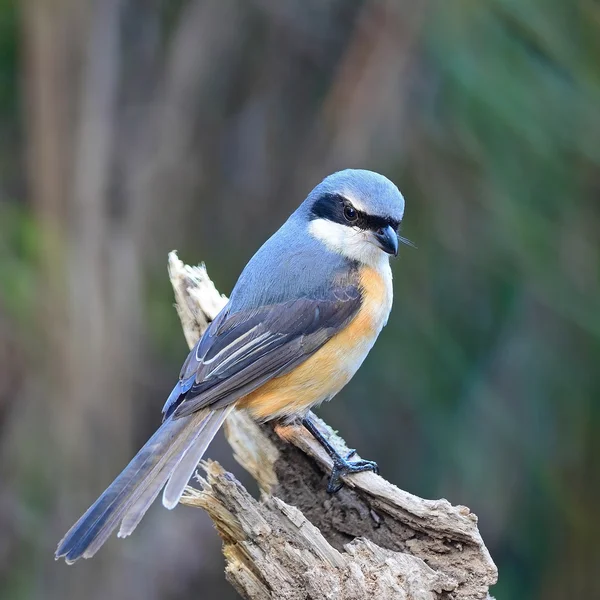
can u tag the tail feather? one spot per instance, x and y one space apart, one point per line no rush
137 509
152 466
134 513
159 473
177 473
188 463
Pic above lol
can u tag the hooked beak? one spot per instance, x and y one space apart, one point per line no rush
386 239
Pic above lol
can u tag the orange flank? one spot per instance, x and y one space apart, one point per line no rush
329 369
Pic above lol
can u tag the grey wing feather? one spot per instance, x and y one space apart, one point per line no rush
242 351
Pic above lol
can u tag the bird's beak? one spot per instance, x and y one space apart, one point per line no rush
386 239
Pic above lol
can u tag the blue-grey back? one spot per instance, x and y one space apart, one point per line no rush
290 264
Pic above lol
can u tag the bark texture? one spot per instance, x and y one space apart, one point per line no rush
371 539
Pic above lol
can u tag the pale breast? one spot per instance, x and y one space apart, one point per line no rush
329 369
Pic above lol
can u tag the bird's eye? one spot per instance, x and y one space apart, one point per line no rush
350 213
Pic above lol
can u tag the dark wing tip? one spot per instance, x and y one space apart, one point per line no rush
177 396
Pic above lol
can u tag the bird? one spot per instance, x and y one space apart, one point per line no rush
303 315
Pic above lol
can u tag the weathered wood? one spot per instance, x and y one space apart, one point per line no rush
371 539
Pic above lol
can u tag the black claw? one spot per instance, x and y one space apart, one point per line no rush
334 485
342 467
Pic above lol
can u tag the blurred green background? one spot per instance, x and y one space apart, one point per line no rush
132 127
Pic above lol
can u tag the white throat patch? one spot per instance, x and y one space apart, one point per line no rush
351 242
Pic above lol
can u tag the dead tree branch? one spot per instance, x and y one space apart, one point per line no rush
370 540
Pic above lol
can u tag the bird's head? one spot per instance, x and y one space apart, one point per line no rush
356 213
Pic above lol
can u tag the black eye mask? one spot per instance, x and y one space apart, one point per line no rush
331 207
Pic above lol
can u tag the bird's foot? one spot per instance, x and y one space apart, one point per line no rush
343 466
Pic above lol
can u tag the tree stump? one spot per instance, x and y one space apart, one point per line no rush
370 540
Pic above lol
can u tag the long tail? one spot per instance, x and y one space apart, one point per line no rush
167 455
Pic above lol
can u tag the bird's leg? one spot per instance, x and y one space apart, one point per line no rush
341 464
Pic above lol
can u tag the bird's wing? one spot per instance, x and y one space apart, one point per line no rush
243 350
